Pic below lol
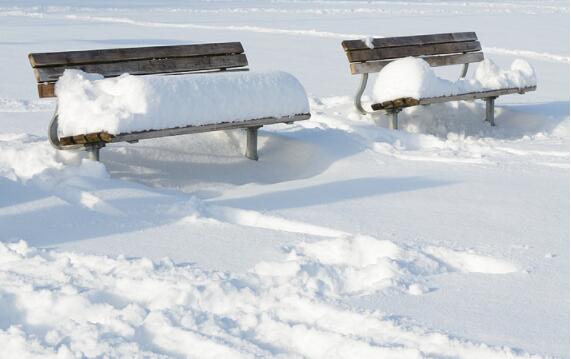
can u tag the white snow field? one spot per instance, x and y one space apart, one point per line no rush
445 239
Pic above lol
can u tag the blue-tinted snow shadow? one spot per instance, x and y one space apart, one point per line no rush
46 218
332 192
176 163
516 120
556 108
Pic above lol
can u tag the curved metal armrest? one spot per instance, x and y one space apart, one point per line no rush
464 70
53 134
359 94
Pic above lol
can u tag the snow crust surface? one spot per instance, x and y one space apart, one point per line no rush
413 77
89 103
97 306
446 239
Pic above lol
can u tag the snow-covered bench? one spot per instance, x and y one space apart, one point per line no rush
372 55
103 99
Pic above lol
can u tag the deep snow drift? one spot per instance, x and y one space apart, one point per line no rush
449 238
100 306
88 103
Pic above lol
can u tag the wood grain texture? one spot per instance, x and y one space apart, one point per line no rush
136 53
416 50
47 89
350 45
434 61
146 67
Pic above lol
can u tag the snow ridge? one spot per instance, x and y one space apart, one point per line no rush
64 304
40 13
543 56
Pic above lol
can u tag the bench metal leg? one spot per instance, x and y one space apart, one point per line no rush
490 110
93 151
393 119
252 143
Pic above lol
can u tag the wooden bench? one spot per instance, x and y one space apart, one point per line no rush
460 48
181 59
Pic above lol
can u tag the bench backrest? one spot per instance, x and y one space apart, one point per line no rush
48 67
437 49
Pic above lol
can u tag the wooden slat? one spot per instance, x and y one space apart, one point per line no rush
96 137
145 67
46 89
407 102
142 135
434 61
404 51
137 53
350 45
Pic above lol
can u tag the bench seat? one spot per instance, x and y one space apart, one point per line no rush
199 105
126 104
367 56
409 101
133 137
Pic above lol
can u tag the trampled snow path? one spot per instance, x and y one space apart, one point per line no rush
344 239
63 304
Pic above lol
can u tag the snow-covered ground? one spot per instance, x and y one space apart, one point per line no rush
446 239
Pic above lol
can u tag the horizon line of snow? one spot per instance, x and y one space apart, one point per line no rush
530 7
541 56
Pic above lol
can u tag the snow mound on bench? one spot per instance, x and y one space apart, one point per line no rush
413 77
89 103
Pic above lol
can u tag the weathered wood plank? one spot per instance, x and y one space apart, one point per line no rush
407 102
434 61
136 53
46 89
135 136
143 135
89 138
350 45
404 51
146 67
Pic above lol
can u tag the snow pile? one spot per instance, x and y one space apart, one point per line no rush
368 41
359 265
24 156
66 305
89 103
413 77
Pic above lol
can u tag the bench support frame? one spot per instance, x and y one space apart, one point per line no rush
93 150
459 48
393 118
490 107
252 142
251 126
359 94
